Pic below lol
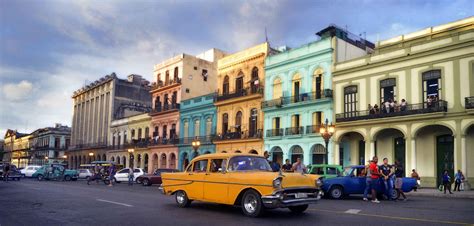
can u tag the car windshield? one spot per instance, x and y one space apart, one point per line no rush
246 163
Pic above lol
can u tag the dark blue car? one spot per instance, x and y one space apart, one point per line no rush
353 182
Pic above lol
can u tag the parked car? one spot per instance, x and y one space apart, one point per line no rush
325 170
85 173
353 182
53 171
29 170
154 178
14 173
122 175
241 179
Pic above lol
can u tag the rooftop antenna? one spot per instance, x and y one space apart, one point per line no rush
266 35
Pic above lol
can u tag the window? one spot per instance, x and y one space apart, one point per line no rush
173 131
167 77
200 166
277 91
204 75
217 165
350 101
296 87
238 121
136 170
295 121
125 137
239 82
124 171
318 118
225 86
147 132
318 83
253 122
139 133
164 133
186 129
197 127
276 123
175 77
254 82
332 170
158 78
133 134
244 163
387 90
431 84
155 133
208 126
225 123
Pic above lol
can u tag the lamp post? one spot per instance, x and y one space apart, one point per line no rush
90 156
196 143
326 131
46 159
130 152
65 159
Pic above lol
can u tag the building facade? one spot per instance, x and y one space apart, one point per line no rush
428 75
298 95
49 145
179 78
99 103
17 148
241 78
198 120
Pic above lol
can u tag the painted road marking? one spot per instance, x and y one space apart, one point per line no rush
397 218
116 203
352 211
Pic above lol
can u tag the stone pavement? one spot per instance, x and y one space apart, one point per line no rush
431 192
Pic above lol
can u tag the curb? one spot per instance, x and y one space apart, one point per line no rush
441 195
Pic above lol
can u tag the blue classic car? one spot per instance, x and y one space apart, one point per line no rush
353 182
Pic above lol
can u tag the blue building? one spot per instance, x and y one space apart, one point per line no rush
198 117
298 95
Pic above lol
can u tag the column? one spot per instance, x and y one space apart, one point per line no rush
336 153
372 149
463 156
331 153
413 153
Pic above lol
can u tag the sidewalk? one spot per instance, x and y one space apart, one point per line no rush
431 192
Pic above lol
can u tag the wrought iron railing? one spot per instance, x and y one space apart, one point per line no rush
327 93
202 139
275 132
239 93
294 131
88 145
273 103
469 102
410 109
166 107
161 84
313 129
257 134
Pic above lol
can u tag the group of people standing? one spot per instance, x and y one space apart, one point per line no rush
388 106
458 181
390 175
297 166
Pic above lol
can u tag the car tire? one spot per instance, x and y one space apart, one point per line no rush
252 204
67 178
116 181
298 209
138 181
146 182
395 194
182 199
336 192
40 177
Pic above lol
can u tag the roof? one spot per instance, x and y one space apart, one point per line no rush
225 155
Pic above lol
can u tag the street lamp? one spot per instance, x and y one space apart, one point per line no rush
326 132
130 152
196 143
90 156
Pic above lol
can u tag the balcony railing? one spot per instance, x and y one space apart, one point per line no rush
88 145
469 103
327 93
313 129
410 109
239 93
294 131
161 84
274 132
202 139
166 107
257 134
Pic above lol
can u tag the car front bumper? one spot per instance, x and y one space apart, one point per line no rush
282 199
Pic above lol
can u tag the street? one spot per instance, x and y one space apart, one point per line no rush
31 202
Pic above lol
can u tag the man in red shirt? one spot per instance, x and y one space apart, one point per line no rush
374 174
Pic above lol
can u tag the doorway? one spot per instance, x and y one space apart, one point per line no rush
399 148
444 156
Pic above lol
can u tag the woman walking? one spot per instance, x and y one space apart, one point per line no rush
446 182
399 179
458 179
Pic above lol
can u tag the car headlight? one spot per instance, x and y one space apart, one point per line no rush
277 182
319 182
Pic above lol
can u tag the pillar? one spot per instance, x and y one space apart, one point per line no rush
372 149
336 153
463 156
413 153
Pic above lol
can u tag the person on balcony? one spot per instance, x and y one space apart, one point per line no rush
376 109
403 105
371 109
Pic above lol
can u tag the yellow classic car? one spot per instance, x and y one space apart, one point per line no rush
241 179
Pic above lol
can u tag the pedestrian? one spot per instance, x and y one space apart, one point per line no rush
130 176
368 181
399 171
415 176
111 175
298 166
446 182
6 171
287 166
63 173
386 173
374 175
458 179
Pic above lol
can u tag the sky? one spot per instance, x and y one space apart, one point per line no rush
49 49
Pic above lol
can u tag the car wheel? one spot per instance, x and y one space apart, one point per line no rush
67 178
138 181
116 181
182 199
40 177
252 204
336 192
395 194
146 182
298 209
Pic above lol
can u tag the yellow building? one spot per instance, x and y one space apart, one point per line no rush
428 75
240 93
17 148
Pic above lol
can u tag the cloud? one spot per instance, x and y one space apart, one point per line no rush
18 91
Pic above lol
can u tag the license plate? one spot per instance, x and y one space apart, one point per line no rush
301 195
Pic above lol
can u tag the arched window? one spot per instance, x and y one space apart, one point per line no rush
172 161
239 83
387 90
158 78
318 83
186 129
197 128
157 103
175 77
254 82
238 121
132 134
277 91
147 132
155 132
125 137
139 133
253 122
225 123
163 162
208 126
296 87
431 85
225 85
167 77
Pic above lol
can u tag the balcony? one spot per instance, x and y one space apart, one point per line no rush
162 84
305 97
88 145
274 132
239 93
202 139
239 135
469 102
313 129
165 108
163 141
410 109
290 131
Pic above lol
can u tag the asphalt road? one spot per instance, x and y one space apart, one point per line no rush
31 202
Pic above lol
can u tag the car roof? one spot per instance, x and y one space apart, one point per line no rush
224 155
325 165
